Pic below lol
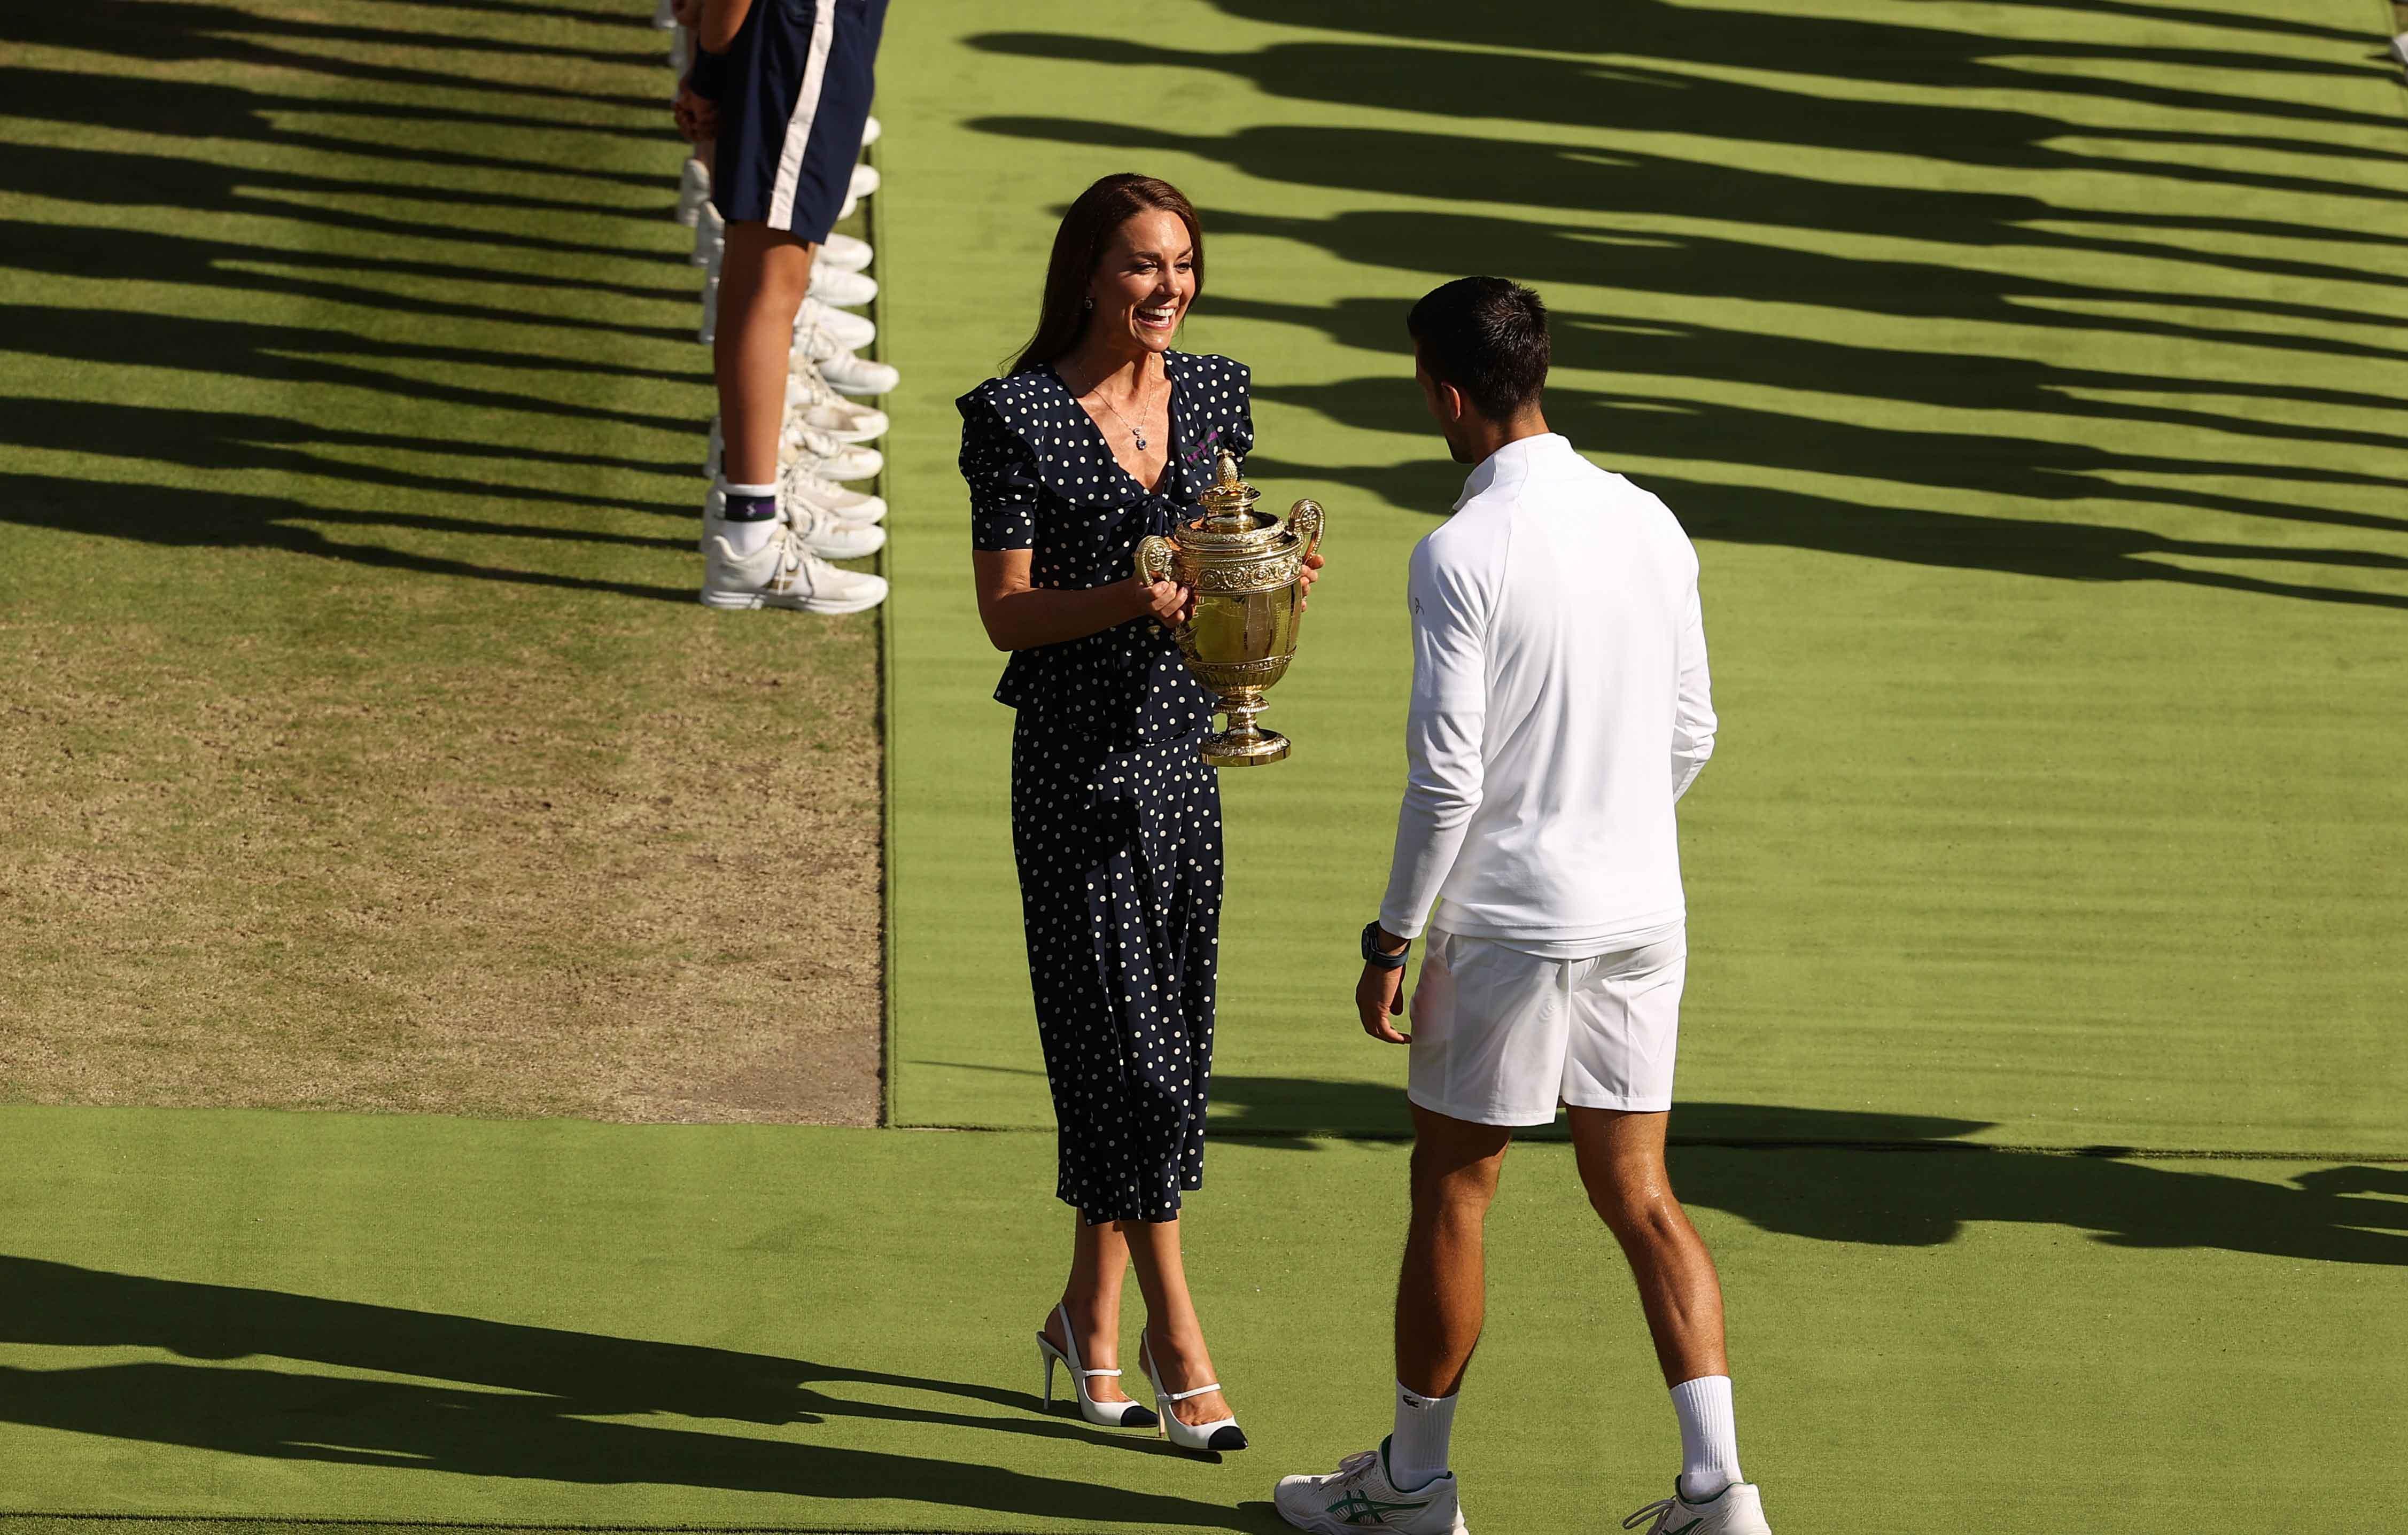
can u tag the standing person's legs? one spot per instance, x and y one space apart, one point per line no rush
1173 1333
761 279
1091 1299
1442 1286
1441 1292
1621 1158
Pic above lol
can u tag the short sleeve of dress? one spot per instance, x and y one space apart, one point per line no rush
1239 428
1001 473
1218 392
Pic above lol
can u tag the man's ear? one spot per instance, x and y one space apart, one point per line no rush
1450 400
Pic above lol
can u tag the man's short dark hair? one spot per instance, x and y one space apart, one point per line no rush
1488 339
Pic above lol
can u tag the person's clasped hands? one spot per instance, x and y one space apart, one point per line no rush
696 115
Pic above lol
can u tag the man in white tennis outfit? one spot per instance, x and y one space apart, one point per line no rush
1559 707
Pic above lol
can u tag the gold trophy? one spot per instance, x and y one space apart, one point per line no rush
1244 567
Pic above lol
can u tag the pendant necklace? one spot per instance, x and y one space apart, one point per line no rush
1134 431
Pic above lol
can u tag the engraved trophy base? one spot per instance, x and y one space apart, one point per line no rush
1248 748
1244 743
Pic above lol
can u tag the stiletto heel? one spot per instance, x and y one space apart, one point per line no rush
1104 1414
1221 1434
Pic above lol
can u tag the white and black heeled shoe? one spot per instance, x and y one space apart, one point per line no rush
1221 1434
1104 1414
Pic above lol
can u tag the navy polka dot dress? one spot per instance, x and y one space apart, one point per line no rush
1115 824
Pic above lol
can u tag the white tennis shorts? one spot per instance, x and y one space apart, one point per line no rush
1501 1036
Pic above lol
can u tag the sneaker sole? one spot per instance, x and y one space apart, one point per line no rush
734 602
1322 1525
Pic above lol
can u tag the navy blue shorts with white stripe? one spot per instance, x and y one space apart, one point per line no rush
799 78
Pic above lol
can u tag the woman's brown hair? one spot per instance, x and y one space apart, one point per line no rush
1079 245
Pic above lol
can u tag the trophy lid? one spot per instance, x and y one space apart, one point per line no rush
1228 506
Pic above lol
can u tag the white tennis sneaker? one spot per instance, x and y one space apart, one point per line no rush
842 253
870 132
1737 1509
865 181
845 373
1358 1495
822 532
859 507
693 191
842 290
783 573
851 331
709 235
847 420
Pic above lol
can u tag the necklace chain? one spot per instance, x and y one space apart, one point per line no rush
1134 431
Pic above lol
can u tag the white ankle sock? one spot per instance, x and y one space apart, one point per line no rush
1418 1450
1709 1436
745 535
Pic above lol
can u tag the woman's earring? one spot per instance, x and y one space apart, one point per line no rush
1086 303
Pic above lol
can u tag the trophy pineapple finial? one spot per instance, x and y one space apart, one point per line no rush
1228 506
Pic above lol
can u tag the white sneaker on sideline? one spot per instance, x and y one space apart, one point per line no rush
842 253
845 373
822 532
1737 1509
783 573
809 395
870 132
829 536
709 235
859 507
865 181
842 290
693 190
811 401
1358 1495
851 331
828 458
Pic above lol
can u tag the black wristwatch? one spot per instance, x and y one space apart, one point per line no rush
1371 954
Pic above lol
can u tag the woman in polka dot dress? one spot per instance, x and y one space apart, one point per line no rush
1100 436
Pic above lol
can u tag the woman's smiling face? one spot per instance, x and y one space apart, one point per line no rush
1144 282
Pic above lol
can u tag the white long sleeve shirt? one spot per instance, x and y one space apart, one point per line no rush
1560 705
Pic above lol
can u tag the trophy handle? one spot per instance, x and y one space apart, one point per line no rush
1153 558
1304 521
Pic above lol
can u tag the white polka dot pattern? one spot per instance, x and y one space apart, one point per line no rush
1116 823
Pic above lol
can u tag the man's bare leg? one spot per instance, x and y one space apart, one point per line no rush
1621 1158
1443 1290
1442 1293
762 279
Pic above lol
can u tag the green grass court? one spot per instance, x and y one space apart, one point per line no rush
2031 377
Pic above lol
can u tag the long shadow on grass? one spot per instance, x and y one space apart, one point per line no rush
185 519
1759 514
1960 62
305 354
1912 1181
514 1402
1627 96
198 111
222 439
192 32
